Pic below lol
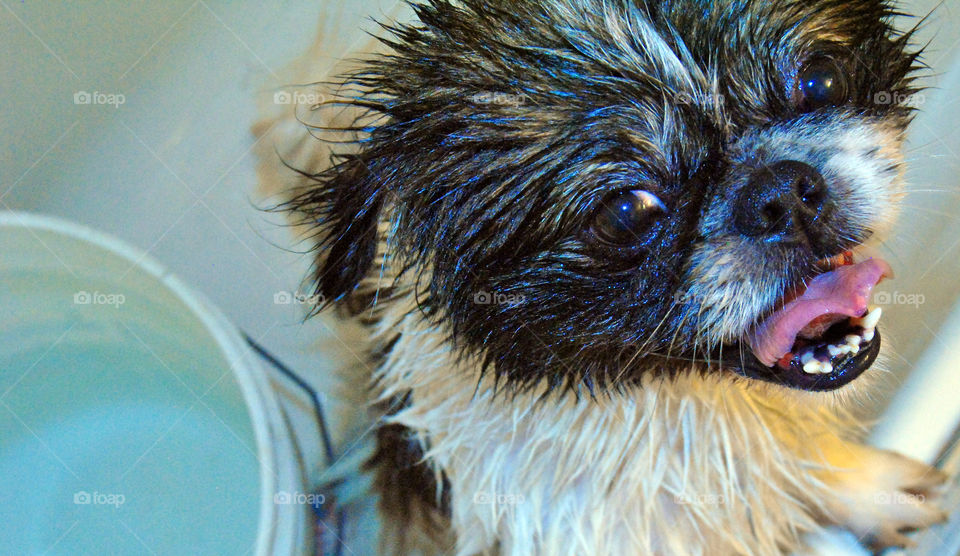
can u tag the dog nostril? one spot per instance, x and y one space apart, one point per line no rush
773 212
812 191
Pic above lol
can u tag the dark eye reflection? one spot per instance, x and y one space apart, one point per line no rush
822 83
623 217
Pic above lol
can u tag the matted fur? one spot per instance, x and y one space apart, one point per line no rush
684 465
568 423
494 129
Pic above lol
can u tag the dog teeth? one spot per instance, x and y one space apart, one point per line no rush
817 367
813 366
819 360
870 320
847 349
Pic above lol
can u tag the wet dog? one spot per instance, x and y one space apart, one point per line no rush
609 258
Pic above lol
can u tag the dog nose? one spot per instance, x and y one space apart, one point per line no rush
781 200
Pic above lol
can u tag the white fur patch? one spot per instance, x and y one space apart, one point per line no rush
692 465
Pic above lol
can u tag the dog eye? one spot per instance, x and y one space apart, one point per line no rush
822 83
623 217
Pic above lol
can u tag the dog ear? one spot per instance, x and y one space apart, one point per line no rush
342 205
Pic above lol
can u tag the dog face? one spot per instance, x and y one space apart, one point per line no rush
590 191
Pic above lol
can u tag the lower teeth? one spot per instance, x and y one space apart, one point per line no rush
822 363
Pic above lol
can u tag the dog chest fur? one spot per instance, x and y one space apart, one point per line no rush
714 463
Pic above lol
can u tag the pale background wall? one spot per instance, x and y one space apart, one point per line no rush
170 169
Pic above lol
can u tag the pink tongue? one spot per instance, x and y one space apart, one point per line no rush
829 297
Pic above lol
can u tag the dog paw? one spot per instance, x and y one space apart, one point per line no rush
881 495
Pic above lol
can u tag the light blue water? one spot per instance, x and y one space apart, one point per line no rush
128 436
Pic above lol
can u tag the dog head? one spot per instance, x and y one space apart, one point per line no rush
589 191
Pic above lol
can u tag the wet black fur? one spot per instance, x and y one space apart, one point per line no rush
495 127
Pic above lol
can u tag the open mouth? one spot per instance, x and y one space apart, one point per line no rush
821 336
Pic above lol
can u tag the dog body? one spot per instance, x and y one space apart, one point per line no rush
604 254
